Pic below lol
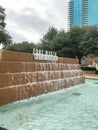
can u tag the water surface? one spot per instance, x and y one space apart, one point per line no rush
75 108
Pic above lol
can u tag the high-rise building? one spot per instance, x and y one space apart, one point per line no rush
82 12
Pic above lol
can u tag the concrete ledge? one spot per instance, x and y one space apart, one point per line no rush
68 60
91 76
15 56
14 67
26 57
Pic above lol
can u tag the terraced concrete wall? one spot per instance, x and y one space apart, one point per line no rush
21 77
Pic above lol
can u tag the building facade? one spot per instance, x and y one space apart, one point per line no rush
82 12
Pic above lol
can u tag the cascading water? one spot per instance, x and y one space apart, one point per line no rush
26 77
43 78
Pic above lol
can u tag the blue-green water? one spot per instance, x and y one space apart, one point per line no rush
75 108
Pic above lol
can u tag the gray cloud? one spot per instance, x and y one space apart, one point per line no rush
31 21
35 20
17 37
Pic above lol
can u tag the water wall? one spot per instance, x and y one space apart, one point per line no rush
22 77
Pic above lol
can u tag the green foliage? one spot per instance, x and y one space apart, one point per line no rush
61 45
46 41
83 40
88 68
78 42
21 47
50 34
5 38
2 17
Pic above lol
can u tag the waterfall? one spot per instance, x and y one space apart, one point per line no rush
21 80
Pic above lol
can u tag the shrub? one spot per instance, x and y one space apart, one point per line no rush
96 72
88 68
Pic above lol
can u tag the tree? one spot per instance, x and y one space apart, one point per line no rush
5 38
78 42
2 17
60 44
83 41
22 47
46 41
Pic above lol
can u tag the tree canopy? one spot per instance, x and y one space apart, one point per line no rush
2 17
21 47
5 38
83 41
77 42
46 41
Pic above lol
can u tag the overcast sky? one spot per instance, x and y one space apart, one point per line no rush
29 20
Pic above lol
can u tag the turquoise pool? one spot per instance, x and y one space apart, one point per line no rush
75 108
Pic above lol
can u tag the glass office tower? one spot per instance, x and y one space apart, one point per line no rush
83 12
92 12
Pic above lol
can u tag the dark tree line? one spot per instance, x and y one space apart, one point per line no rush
21 47
79 42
